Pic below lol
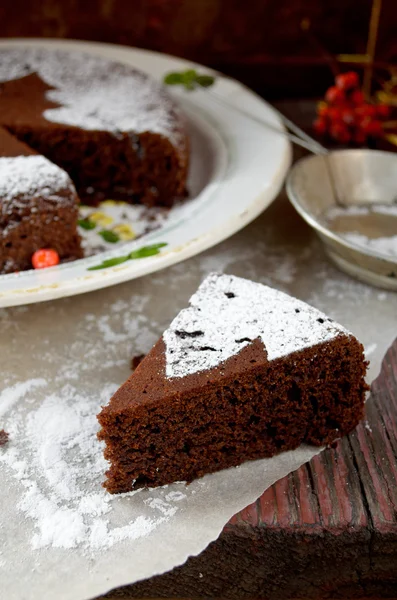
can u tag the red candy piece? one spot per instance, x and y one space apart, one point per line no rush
347 81
46 257
334 95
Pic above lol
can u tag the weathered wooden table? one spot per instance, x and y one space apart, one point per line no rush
328 530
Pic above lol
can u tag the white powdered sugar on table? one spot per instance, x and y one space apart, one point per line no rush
95 93
60 362
58 522
227 313
54 454
24 177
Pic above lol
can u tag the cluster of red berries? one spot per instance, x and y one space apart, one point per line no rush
345 116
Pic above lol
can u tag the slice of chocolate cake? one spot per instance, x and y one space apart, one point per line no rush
38 207
245 372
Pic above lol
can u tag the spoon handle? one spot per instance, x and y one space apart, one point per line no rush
299 137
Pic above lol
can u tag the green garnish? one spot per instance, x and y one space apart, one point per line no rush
109 236
190 79
205 80
146 251
86 223
143 252
110 262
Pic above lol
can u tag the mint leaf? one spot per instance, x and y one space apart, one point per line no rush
190 79
109 236
86 224
173 79
205 80
189 75
110 262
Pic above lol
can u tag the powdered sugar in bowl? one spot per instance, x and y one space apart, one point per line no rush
350 198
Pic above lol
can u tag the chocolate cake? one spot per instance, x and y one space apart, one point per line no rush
110 127
245 372
38 207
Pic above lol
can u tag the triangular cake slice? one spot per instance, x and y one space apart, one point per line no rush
245 372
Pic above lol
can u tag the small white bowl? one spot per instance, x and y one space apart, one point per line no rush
317 185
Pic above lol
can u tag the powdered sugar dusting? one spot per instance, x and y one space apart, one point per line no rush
360 210
53 453
61 469
382 245
95 93
24 177
227 313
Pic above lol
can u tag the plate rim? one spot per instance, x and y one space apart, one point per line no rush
118 274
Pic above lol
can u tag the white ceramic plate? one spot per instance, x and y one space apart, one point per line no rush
237 170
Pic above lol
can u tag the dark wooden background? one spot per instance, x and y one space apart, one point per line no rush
261 42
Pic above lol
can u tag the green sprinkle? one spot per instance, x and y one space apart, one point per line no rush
86 223
110 262
146 251
109 236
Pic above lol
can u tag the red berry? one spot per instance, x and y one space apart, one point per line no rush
322 109
347 81
372 128
357 97
334 113
365 110
359 137
46 257
340 132
383 111
334 95
320 126
347 115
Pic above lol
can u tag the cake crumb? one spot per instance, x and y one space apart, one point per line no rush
4 437
136 361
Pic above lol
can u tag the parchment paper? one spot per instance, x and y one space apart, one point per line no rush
76 351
